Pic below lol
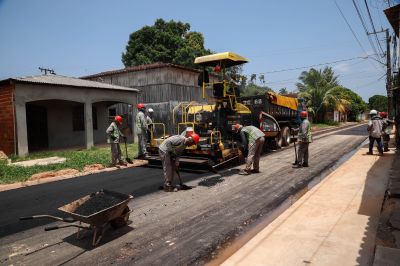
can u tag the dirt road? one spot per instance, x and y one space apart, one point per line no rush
167 228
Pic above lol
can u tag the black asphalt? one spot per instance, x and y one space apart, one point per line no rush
46 198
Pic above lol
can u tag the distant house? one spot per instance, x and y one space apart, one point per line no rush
162 86
335 116
52 111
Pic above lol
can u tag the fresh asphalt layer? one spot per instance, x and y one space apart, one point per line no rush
186 227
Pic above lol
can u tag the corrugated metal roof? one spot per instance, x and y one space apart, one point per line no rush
69 81
140 68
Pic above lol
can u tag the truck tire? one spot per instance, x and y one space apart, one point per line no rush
285 136
276 143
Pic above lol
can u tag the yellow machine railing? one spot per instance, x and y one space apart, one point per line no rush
153 141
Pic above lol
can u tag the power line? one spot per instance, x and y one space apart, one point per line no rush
348 24
373 26
315 65
365 28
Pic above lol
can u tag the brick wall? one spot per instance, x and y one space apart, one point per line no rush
6 119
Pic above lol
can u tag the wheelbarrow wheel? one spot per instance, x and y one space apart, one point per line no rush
122 220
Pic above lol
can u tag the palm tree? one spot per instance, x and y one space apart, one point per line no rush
318 89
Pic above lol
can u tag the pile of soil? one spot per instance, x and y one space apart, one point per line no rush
93 167
97 202
63 172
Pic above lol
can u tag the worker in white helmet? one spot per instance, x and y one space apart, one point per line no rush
150 126
375 129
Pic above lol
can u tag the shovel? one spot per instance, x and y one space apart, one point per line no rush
126 152
182 186
295 152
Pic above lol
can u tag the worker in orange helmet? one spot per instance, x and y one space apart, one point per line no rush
170 151
305 138
386 130
114 136
141 130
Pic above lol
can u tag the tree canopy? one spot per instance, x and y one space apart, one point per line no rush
378 102
168 42
317 88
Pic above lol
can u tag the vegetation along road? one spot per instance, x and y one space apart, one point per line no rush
186 227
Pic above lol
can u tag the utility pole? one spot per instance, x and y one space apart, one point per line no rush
388 70
388 74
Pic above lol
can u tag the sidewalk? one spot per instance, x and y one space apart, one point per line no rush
335 223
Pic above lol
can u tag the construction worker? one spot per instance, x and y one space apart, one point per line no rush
375 129
305 138
114 135
386 130
141 130
170 151
149 121
253 141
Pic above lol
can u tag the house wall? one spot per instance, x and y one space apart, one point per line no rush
7 141
60 129
59 125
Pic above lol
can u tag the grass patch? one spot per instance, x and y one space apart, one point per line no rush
75 160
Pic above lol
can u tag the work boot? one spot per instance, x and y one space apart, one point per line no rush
305 164
380 154
369 153
295 163
297 166
386 149
255 171
122 163
168 188
244 172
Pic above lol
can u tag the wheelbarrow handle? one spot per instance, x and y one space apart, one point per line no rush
26 218
67 219
50 228
55 227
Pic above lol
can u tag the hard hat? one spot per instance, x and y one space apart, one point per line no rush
383 114
303 114
150 110
118 119
195 138
373 112
236 127
140 106
217 68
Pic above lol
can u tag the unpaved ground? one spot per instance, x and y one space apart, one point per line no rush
167 228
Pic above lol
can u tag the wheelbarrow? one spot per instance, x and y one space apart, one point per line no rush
97 210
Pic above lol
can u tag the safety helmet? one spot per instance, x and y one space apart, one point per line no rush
118 119
150 110
303 114
217 68
373 112
236 127
383 114
195 138
140 106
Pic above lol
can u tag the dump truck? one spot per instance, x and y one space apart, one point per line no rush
276 115
213 119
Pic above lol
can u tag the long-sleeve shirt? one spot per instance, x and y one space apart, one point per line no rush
375 127
141 123
113 133
250 134
305 131
174 145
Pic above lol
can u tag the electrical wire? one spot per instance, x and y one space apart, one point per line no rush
373 26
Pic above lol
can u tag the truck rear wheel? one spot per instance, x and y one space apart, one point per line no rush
285 136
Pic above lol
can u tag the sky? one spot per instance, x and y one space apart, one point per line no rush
78 38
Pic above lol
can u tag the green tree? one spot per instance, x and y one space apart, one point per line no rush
283 91
317 88
356 104
168 42
378 102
